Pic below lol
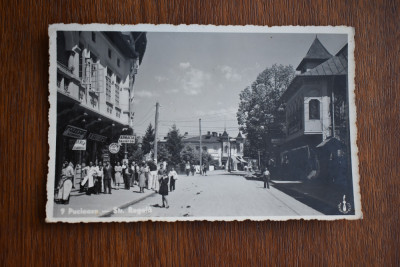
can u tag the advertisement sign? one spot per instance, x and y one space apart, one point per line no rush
74 132
114 148
126 139
97 137
80 144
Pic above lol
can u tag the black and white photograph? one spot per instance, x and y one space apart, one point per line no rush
189 122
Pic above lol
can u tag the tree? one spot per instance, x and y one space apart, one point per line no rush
188 154
163 154
148 139
259 115
174 145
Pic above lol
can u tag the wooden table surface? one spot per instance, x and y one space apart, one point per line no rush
27 240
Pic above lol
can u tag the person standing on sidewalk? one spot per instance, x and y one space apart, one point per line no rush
187 168
65 184
164 188
99 178
142 177
266 176
132 176
89 178
107 171
205 169
118 175
126 175
173 176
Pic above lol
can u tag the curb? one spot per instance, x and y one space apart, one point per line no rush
123 206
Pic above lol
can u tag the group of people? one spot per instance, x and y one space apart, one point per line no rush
102 178
190 169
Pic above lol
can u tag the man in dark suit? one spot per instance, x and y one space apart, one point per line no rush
107 177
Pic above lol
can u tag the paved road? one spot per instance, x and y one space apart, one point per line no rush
219 195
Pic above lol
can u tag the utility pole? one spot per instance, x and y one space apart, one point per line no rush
200 146
156 134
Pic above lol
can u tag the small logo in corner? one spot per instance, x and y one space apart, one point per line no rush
344 207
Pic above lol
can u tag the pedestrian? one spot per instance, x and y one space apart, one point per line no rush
99 178
107 176
132 176
187 168
142 177
64 187
149 178
266 175
158 177
118 175
137 173
204 169
173 176
192 169
126 175
89 178
164 188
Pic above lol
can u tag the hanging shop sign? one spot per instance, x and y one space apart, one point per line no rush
74 132
126 139
80 144
113 148
106 155
97 137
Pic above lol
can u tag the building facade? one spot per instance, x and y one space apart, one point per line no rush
316 115
223 149
95 77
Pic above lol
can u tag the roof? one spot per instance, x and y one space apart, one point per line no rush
316 52
204 139
336 65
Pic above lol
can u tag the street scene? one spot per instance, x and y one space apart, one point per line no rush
200 125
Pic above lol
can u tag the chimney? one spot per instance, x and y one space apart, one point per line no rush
208 133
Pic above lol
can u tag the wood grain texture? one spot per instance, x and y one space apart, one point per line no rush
27 240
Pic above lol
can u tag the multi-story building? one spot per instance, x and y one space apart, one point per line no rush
95 76
316 112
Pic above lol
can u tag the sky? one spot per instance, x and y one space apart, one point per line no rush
200 75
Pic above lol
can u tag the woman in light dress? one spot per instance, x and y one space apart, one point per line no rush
142 177
118 175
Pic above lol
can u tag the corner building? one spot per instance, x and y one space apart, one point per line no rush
316 103
95 77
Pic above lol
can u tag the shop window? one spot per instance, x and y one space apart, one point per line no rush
314 109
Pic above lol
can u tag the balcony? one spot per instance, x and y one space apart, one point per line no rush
67 72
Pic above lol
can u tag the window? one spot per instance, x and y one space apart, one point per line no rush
226 149
93 37
314 110
108 85
118 113
118 62
109 53
117 89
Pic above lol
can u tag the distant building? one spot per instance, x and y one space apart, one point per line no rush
95 76
316 112
221 147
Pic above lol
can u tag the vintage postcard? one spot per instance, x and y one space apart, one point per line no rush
185 123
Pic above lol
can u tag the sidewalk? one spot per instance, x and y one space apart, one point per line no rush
320 196
82 205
